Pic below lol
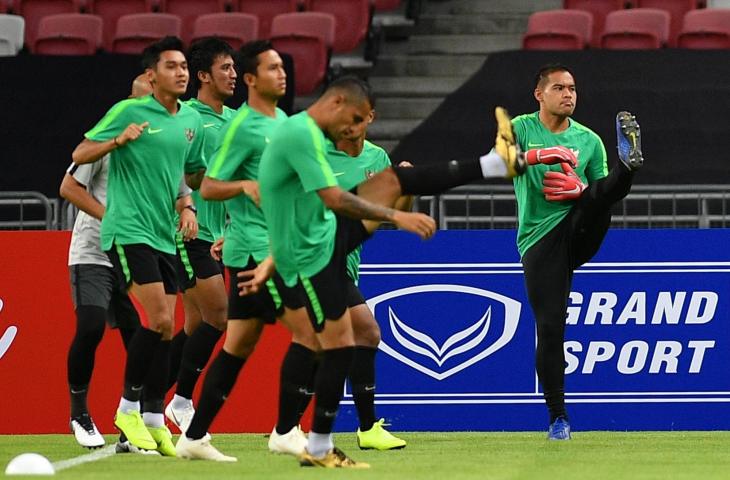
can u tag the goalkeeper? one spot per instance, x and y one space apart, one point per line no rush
564 213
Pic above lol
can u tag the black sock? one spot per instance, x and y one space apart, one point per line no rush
218 384
195 356
296 375
331 375
154 383
90 321
307 398
434 178
127 334
141 351
362 378
555 401
78 399
176 349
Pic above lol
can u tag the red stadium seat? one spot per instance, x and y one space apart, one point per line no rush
352 17
266 10
111 10
11 34
136 31
308 38
706 29
599 9
69 34
386 5
189 10
638 28
34 10
235 28
558 30
676 8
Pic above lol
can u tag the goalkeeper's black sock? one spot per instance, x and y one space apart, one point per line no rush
435 178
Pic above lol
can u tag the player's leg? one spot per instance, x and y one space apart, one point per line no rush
296 383
371 434
140 268
91 287
548 275
209 297
192 315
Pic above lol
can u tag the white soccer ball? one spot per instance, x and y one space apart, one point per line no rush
29 464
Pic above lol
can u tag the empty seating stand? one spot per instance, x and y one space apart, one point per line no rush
676 9
68 34
189 10
558 30
352 21
235 28
266 10
706 29
637 28
134 32
111 10
599 9
12 29
33 10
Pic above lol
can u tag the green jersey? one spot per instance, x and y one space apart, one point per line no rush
538 216
211 214
243 140
301 228
351 172
144 174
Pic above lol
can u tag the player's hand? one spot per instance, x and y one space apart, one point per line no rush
561 186
414 222
131 133
251 281
551 156
188 225
251 190
216 250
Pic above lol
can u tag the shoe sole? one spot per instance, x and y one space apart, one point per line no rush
630 130
401 447
504 129
151 447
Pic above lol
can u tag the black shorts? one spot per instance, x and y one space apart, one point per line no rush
354 295
98 286
194 261
325 294
266 304
142 264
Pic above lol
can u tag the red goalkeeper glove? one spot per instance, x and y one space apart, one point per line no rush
551 156
561 186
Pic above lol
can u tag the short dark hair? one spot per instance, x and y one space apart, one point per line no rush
546 70
248 56
354 87
202 55
151 54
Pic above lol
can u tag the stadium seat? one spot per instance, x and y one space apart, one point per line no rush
189 10
706 29
308 37
68 34
134 32
638 28
386 5
12 29
33 10
111 10
558 30
599 9
235 28
352 20
676 8
266 10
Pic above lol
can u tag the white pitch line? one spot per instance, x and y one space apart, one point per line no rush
101 454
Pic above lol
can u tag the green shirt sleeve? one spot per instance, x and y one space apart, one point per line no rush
307 158
195 159
112 123
226 161
597 167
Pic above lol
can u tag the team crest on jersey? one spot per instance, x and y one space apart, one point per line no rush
189 134
369 173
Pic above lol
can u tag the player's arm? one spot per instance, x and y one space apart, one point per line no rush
250 281
193 180
188 224
214 189
89 151
76 193
345 203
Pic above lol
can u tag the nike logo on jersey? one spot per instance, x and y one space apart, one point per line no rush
533 145
339 174
208 125
152 131
267 139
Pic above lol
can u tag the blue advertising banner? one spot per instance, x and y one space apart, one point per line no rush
647 344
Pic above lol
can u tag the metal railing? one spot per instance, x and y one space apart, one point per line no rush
467 207
27 211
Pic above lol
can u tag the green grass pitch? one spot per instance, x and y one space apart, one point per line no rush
448 456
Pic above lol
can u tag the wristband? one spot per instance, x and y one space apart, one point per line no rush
191 208
116 143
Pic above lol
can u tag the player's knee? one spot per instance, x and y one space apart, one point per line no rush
90 322
368 337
